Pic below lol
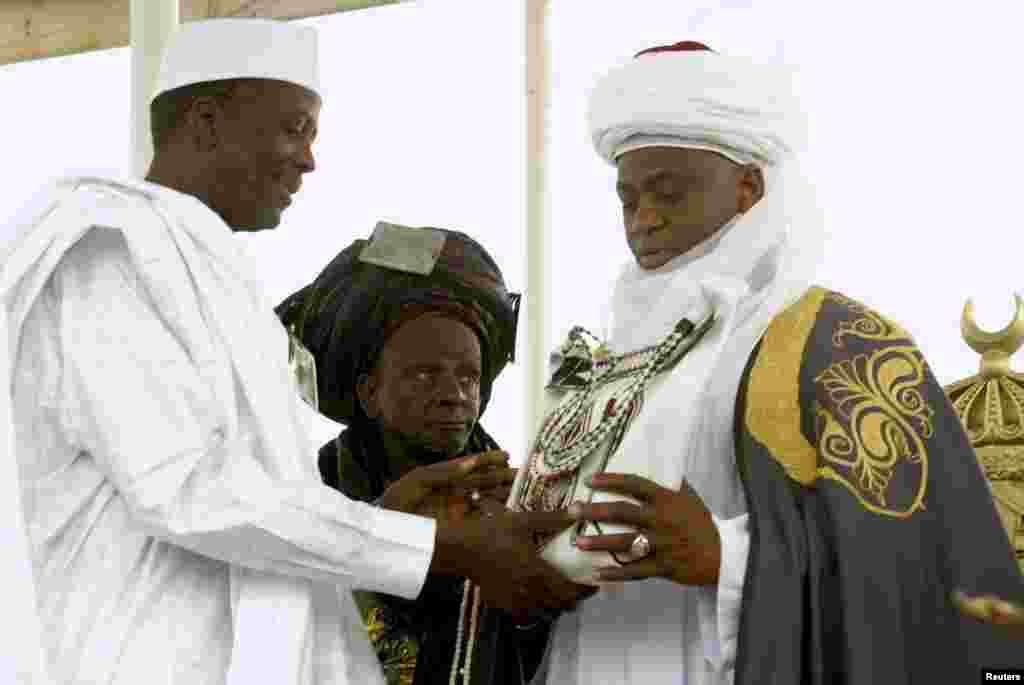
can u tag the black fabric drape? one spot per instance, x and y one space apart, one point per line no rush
839 594
504 654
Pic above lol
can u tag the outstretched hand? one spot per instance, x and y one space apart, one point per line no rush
455 489
684 545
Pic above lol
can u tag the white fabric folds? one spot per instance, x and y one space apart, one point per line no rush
699 97
228 483
745 110
22 660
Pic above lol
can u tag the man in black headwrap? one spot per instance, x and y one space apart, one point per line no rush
406 355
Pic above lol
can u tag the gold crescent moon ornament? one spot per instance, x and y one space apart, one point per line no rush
995 348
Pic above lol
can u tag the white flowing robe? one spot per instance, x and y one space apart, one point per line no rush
656 632
168 540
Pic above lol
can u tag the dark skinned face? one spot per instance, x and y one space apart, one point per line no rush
257 146
673 199
426 385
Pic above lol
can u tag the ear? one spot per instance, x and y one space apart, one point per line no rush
205 122
750 188
366 391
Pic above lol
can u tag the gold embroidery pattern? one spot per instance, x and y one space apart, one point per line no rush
773 391
873 419
397 656
870 325
881 428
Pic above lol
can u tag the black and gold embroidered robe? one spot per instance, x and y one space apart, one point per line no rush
867 510
415 639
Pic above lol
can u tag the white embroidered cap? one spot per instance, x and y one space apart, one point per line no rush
218 49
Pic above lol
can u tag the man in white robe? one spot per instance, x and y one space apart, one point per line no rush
176 523
674 630
794 501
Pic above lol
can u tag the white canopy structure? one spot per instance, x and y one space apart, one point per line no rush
36 29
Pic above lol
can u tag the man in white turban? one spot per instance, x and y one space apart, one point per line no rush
786 496
176 524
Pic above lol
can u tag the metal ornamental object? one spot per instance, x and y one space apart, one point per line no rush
991 406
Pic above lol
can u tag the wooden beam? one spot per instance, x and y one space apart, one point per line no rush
37 29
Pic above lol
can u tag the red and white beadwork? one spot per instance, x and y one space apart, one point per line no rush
597 409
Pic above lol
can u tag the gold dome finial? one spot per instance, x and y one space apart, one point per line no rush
991 404
991 407
995 348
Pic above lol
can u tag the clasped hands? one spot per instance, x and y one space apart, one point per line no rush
480 539
682 542
496 548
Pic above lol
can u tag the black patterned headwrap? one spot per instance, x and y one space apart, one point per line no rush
345 316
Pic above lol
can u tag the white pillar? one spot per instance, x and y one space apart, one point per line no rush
538 243
151 22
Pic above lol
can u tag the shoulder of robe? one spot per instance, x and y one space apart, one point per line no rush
104 218
114 206
850 320
772 385
824 326
824 361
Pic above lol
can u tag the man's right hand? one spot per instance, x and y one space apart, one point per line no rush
499 554
988 609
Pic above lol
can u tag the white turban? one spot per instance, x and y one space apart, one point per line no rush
744 110
698 99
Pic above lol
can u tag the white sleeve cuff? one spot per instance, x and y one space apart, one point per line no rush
719 608
406 557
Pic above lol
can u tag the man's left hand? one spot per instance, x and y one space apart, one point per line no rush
684 542
999 612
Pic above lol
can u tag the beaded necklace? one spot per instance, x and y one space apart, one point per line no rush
565 438
568 426
465 670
